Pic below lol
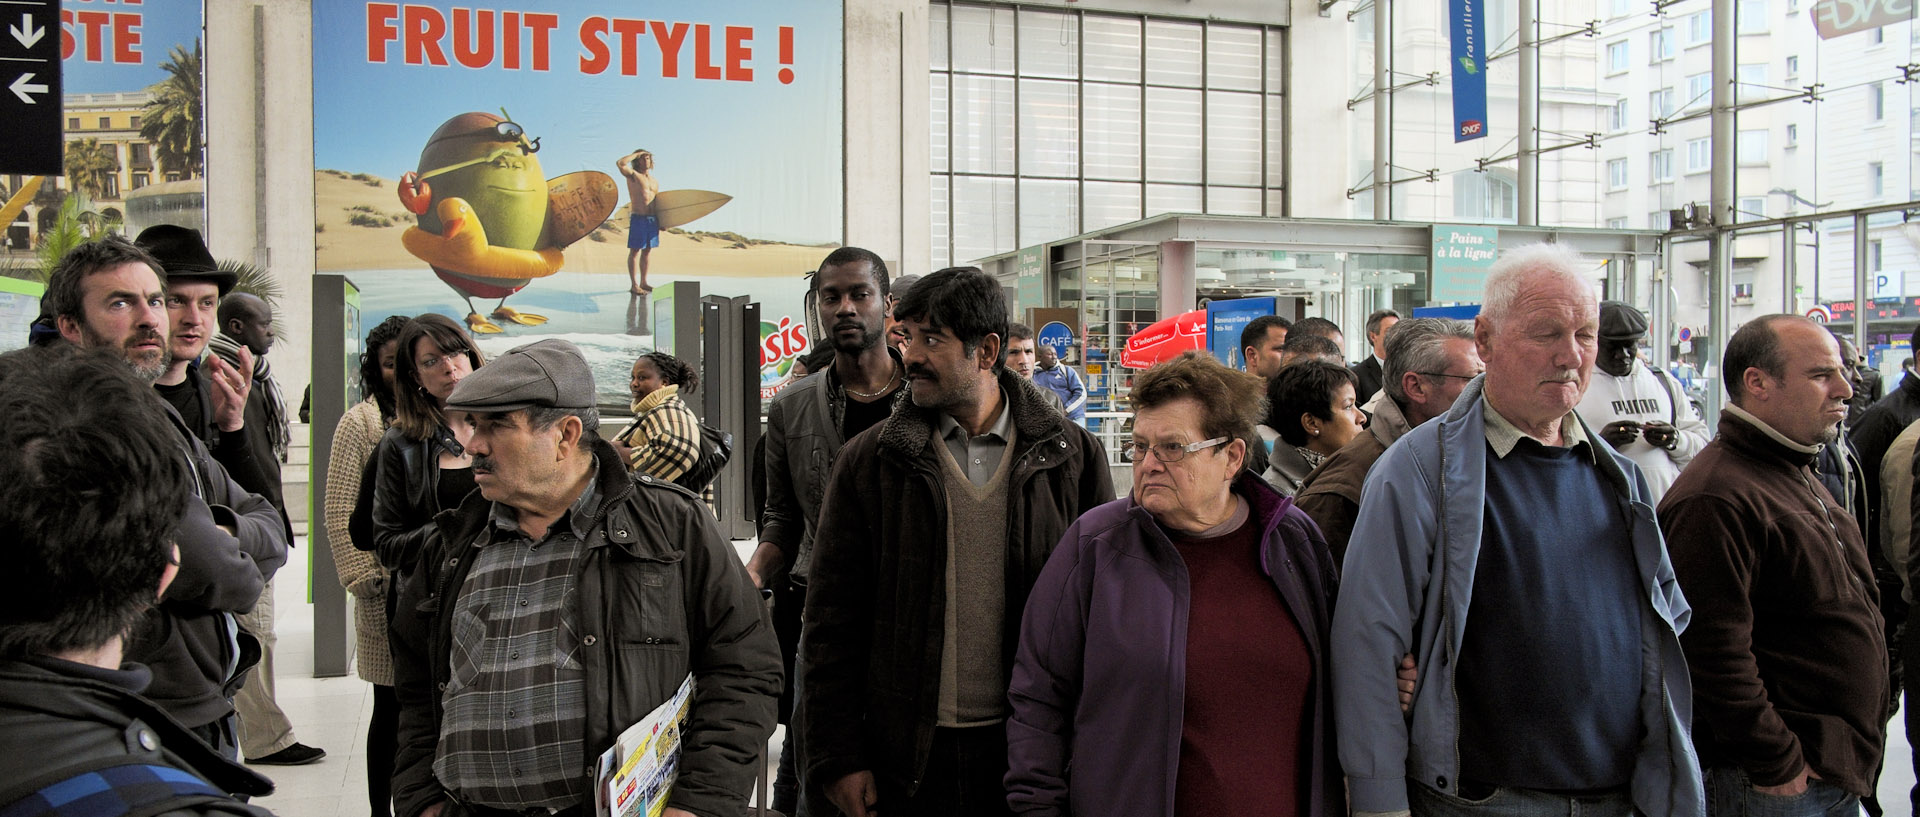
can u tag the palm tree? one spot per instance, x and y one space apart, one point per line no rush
172 118
91 165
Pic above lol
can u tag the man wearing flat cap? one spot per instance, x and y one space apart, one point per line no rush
1641 411
558 605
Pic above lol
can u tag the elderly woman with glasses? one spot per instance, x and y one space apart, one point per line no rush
1173 655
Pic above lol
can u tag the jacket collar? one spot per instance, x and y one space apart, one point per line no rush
655 399
611 485
1754 436
910 429
1465 425
1389 421
1266 505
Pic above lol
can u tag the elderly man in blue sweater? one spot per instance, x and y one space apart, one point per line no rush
1518 561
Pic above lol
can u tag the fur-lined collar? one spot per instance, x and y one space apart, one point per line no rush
910 428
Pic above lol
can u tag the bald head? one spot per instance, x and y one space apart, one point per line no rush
247 318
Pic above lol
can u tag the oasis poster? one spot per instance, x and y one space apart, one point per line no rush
542 168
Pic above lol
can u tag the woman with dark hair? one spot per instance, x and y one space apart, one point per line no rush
1173 657
663 440
354 441
423 460
1311 403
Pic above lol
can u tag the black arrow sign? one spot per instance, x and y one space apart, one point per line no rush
30 87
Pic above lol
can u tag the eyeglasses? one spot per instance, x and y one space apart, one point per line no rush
1168 452
1444 374
430 363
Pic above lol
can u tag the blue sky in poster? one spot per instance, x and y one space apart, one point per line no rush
99 29
774 147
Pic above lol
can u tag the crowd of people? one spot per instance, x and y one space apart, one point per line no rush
1469 575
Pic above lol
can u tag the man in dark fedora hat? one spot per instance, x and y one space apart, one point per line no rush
213 396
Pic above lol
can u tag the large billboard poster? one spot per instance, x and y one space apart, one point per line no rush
485 162
131 120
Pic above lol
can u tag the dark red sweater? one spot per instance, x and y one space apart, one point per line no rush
1248 675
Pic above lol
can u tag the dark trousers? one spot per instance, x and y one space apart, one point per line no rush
383 739
965 777
788 601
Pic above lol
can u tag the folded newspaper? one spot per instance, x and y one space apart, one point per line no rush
637 774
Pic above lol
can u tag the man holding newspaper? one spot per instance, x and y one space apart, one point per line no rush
560 604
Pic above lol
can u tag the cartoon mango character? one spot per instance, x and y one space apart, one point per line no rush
489 220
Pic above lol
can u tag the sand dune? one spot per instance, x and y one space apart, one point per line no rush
344 246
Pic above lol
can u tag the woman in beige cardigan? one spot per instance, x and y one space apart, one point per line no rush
360 572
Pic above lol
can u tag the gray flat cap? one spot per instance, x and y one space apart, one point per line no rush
1620 321
543 374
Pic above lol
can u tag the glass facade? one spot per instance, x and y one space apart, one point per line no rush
1048 124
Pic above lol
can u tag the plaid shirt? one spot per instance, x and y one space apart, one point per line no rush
513 735
664 436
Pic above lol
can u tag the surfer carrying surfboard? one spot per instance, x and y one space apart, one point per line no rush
643 226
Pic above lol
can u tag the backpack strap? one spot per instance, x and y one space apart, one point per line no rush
112 787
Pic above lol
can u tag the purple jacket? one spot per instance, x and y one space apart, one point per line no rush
1100 674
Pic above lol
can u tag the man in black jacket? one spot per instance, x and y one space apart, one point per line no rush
942 514
559 605
1369 370
107 294
90 489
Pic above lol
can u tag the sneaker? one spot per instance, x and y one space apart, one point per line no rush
298 754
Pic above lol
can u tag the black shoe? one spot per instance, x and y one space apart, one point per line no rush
298 754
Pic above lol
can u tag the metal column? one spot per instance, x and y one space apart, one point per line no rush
1529 119
1862 284
730 352
1382 123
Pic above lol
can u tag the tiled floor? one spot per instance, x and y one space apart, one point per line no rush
332 713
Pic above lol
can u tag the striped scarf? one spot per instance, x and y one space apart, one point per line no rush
228 349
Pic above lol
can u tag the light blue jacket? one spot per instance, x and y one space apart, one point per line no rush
1064 381
1406 587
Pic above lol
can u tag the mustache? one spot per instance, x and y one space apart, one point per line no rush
917 370
146 337
482 462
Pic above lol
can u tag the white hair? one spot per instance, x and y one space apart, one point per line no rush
1535 264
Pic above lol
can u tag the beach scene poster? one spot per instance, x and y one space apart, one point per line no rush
544 168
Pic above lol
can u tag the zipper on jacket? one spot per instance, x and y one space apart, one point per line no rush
1839 547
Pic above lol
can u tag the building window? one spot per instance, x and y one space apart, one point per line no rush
1753 208
1878 36
1874 256
1751 17
106 123
1660 42
1793 136
1742 281
1660 166
1750 147
1699 91
1046 124
1618 120
1793 66
139 155
1877 102
140 180
1489 196
1621 8
1752 79
1876 180
1700 28
1657 220
133 123
1617 57
1617 223
1616 174
73 123
1660 103
110 186
1699 155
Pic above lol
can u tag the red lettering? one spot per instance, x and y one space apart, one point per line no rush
669 40
66 34
797 339
126 39
510 34
630 32
703 67
94 23
380 30
425 28
767 353
739 51
593 32
473 37
543 26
